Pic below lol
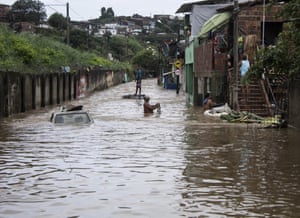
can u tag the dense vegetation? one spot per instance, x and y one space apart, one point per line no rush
284 57
47 49
27 10
27 52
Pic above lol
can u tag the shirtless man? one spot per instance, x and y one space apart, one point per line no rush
149 108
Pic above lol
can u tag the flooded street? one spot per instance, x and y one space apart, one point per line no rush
176 163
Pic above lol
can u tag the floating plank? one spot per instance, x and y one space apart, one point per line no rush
134 96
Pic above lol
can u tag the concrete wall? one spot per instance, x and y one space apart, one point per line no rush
20 92
27 90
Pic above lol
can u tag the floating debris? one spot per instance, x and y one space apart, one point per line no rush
247 117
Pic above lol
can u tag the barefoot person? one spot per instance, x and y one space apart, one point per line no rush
149 108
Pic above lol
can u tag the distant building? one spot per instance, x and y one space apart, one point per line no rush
24 27
4 10
161 17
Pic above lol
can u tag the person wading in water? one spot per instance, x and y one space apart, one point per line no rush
149 108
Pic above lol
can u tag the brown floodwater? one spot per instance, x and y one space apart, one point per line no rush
177 163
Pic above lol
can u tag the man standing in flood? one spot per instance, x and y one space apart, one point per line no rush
138 78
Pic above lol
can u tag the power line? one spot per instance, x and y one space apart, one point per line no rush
69 7
64 5
76 12
55 5
52 8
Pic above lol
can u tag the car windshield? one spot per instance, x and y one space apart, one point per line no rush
69 118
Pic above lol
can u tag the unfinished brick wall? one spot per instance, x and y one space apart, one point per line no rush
251 18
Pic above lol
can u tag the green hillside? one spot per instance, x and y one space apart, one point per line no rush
34 53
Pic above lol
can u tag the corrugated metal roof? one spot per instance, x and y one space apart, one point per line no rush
187 7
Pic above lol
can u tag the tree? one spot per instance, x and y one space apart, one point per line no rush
147 59
58 21
79 39
103 12
110 12
107 15
118 47
28 10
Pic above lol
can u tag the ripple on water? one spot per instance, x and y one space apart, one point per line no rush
175 164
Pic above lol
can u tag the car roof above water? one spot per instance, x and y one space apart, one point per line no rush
71 117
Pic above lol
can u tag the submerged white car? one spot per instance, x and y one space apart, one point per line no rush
71 115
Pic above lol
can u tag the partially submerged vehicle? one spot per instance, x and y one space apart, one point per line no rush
71 114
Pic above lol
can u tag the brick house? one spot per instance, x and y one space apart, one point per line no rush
24 27
4 10
211 67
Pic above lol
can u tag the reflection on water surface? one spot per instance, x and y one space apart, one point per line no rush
173 164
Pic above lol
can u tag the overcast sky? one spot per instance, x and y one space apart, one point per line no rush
90 9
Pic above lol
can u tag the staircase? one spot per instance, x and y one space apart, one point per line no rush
252 98
264 97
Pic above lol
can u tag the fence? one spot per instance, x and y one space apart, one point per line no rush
20 92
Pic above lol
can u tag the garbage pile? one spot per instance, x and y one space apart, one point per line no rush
247 117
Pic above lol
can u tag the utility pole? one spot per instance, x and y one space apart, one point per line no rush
68 25
235 55
263 24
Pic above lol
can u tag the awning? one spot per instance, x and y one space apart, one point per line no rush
214 23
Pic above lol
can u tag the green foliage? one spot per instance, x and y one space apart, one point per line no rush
28 11
23 49
107 15
79 39
52 33
147 59
290 9
58 21
134 45
34 53
119 47
284 57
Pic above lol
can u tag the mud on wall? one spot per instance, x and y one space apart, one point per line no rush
20 92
